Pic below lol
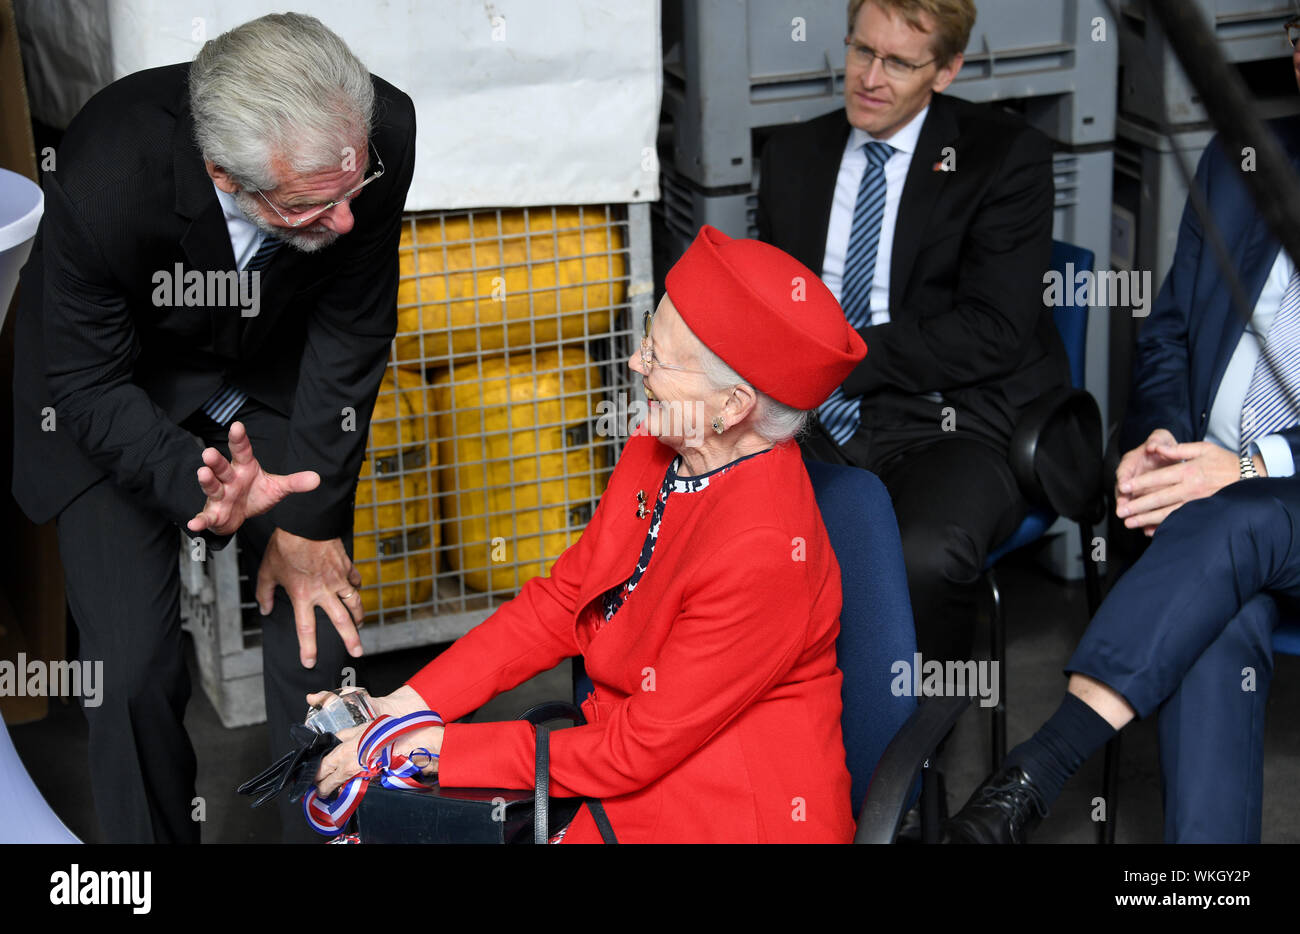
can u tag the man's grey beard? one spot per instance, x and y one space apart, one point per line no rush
303 240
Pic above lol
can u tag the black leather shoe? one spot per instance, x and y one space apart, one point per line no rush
909 831
1002 810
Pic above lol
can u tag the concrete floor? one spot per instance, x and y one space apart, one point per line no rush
1045 620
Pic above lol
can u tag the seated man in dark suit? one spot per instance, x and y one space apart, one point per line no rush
219 243
930 220
1187 630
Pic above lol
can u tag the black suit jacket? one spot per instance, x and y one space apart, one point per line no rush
967 317
120 369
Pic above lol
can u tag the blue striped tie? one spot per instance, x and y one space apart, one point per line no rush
226 401
1271 405
839 414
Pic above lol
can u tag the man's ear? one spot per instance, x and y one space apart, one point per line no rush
221 177
943 77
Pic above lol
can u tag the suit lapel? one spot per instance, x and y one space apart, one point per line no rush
280 281
1254 255
206 241
920 191
825 160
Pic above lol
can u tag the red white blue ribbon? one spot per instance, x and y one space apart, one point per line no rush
329 817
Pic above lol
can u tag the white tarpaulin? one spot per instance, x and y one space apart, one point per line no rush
519 102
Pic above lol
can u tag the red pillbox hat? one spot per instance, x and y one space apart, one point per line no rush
767 316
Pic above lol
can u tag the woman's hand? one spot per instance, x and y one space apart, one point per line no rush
341 763
428 738
337 768
401 702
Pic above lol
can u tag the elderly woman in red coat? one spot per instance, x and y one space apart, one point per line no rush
703 596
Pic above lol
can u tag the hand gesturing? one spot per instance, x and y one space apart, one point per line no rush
239 488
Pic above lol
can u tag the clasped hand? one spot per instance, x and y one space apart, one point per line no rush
1160 475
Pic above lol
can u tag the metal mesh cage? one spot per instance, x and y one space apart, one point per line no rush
487 450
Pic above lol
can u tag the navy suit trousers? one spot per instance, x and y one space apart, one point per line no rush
1187 633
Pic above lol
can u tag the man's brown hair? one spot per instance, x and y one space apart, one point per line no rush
952 19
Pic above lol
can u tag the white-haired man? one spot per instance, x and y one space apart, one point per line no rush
218 261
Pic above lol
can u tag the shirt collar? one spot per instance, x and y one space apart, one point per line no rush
231 210
903 141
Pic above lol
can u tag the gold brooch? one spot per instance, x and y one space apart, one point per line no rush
640 504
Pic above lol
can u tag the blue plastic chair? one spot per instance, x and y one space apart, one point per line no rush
1072 323
876 625
1286 638
888 738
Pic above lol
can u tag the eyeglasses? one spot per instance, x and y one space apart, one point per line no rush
298 218
648 359
1292 30
862 56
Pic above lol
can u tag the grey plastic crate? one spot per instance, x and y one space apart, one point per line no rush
683 209
1082 217
1153 85
1150 192
1062 57
1083 193
731 67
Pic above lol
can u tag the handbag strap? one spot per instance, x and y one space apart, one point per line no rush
542 795
542 786
602 821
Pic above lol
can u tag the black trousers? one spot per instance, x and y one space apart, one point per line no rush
121 562
956 500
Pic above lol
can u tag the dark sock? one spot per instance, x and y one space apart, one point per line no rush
1060 746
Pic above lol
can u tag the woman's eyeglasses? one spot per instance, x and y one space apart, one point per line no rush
648 358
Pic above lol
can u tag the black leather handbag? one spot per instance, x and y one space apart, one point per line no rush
433 814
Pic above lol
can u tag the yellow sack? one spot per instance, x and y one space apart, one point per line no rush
520 465
395 525
489 280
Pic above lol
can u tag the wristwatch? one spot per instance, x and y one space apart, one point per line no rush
1248 467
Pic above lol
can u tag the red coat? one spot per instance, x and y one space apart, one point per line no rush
716 709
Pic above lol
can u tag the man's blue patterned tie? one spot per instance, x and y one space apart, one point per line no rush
1270 405
839 414
225 402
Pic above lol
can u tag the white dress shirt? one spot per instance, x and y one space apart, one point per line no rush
1224 427
245 236
852 165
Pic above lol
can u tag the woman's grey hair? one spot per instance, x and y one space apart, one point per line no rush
774 420
282 86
